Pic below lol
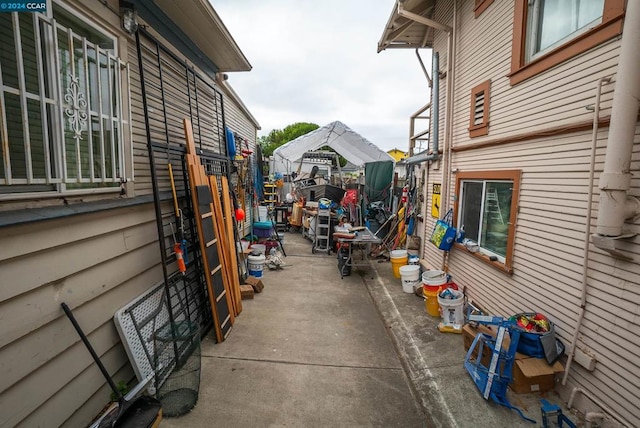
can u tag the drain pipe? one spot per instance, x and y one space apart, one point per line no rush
587 232
595 401
616 206
448 124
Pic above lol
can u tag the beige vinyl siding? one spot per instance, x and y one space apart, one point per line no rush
557 97
549 238
239 123
548 262
96 263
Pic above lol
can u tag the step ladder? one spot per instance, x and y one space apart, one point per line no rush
492 381
493 206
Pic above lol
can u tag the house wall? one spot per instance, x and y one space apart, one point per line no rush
239 123
95 262
550 231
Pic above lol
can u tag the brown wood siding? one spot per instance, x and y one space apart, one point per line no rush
550 228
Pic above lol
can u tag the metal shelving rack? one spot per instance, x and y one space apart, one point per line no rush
323 224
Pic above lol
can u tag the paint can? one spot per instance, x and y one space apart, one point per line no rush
256 264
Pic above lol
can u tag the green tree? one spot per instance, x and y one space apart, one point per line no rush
278 137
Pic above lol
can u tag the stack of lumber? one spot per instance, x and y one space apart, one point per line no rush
213 214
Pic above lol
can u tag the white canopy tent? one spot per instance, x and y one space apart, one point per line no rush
346 142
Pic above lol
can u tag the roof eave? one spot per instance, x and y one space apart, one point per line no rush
200 22
401 32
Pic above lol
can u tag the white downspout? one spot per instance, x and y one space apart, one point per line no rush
616 206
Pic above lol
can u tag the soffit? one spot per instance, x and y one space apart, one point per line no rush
402 32
201 24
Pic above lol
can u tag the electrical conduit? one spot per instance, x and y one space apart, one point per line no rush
587 232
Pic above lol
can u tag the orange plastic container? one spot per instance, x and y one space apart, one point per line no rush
430 293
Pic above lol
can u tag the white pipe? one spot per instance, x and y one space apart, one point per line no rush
595 401
591 417
587 232
448 120
616 206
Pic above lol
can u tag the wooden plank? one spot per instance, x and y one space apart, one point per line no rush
228 245
232 244
203 204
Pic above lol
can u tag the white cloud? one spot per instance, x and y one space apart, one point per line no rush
316 61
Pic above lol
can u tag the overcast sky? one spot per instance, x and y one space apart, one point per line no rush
316 61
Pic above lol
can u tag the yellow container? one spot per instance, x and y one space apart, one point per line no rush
396 263
431 304
398 258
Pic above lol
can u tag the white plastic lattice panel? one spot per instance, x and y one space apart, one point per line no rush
137 323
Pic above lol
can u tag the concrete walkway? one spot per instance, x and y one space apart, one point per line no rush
314 350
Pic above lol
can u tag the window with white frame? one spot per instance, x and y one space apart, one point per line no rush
61 105
486 211
551 23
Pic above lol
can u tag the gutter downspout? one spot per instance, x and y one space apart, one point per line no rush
616 205
448 122
435 107
587 233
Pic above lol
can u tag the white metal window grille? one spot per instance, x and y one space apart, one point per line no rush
61 106
551 23
485 209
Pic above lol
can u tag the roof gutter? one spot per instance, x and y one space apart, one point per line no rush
616 206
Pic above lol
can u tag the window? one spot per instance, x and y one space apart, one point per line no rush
60 105
548 32
479 116
487 204
481 6
552 22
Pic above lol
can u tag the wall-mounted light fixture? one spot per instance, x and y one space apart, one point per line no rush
128 17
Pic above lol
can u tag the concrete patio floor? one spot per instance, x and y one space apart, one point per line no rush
315 350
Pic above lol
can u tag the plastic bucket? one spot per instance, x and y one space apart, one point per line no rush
398 258
434 277
256 264
431 300
414 260
410 275
259 248
452 303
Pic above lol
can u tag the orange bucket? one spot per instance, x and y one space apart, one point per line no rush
430 293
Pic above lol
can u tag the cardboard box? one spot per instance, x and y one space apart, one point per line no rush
529 374
534 375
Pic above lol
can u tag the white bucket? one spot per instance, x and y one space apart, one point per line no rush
410 275
452 309
256 264
398 254
259 248
434 277
414 260
263 213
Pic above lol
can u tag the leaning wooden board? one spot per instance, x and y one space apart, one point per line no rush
227 210
210 247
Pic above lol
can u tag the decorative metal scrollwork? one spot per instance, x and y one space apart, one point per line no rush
77 113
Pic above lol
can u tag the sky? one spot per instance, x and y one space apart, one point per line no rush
315 61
